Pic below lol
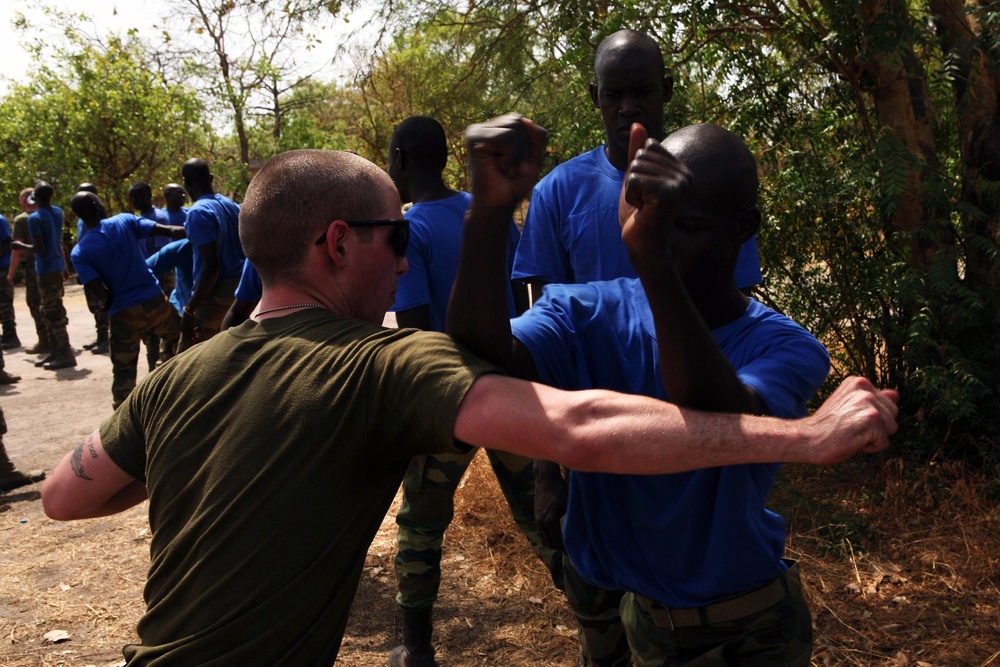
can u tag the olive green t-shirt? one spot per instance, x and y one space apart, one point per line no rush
271 453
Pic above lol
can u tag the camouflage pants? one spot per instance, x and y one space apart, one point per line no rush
779 636
6 301
50 289
429 505
157 349
210 312
33 298
599 625
100 316
127 328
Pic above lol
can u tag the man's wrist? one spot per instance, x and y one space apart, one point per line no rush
188 312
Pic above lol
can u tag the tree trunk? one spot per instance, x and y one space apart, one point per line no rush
976 86
898 86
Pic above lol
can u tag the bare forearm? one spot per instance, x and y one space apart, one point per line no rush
609 432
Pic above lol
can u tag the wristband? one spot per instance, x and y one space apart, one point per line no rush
187 312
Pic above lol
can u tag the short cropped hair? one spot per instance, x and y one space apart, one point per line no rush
141 186
295 196
423 140
637 44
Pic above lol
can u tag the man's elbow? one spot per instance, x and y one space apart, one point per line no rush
57 503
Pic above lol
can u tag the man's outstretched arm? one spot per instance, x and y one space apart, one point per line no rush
604 431
88 484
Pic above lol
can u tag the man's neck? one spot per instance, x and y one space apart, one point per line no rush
431 189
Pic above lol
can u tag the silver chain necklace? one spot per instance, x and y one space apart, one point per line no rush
297 305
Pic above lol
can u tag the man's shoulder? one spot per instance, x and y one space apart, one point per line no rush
438 212
584 163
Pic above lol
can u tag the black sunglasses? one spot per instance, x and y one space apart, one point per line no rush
399 238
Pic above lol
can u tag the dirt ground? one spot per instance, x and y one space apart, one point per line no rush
900 564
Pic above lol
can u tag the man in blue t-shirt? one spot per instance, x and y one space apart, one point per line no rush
684 332
571 235
212 227
45 226
110 265
140 196
418 153
175 258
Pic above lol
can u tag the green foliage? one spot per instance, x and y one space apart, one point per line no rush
96 112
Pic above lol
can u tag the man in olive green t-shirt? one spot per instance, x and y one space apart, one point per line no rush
270 453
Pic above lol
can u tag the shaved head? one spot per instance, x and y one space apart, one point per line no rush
725 171
633 46
296 195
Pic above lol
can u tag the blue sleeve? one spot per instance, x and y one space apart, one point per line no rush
540 252
4 228
413 289
85 271
547 331
250 287
787 372
201 227
141 227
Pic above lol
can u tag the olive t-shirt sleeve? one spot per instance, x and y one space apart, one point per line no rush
122 439
416 391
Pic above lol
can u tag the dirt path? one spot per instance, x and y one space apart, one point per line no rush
85 578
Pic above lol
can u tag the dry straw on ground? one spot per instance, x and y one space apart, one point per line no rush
900 563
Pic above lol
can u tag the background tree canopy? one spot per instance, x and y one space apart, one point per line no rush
876 123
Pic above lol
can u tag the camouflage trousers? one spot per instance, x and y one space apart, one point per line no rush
778 636
159 350
50 290
429 505
100 315
599 625
210 312
127 328
34 299
6 301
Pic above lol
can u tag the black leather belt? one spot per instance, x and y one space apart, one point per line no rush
732 609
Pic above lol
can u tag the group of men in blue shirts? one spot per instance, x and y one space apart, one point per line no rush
127 262
651 567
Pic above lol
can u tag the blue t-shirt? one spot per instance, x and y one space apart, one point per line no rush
250 287
178 217
215 219
110 253
435 244
47 222
152 243
571 234
4 235
175 256
687 539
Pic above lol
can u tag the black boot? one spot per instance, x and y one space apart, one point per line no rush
9 340
417 650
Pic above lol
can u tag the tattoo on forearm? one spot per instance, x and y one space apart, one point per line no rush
76 462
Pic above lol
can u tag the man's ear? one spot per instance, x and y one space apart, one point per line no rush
748 224
668 88
337 242
401 158
593 95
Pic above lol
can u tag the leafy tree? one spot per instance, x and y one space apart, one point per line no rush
879 134
95 111
243 54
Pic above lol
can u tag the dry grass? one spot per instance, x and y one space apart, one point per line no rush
900 567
